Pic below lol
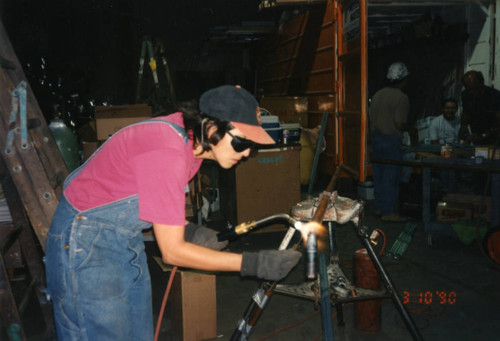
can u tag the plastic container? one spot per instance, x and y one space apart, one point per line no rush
365 190
446 150
275 133
291 132
270 122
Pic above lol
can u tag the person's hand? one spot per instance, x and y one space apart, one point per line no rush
270 265
203 236
471 138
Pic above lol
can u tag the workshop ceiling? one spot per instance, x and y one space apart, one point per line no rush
387 17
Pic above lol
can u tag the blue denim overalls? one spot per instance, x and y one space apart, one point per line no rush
97 272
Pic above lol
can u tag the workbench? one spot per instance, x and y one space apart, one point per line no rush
472 165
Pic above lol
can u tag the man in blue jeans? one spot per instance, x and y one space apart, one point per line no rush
388 115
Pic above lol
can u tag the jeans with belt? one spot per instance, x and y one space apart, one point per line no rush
386 178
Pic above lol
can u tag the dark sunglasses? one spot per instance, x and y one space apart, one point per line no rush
240 144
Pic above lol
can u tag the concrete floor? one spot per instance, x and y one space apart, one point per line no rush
448 268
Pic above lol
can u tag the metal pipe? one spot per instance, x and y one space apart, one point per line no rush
410 323
254 309
256 224
424 164
312 250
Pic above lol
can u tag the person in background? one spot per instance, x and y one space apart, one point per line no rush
97 272
444 128
481 110
388 116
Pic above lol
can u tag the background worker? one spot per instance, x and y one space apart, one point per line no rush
481 110
388 117
96 266
445 127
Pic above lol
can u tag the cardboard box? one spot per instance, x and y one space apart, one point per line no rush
494 157
193 304
263 185
88 148
288 109
481 152
473 202
110 119
452 211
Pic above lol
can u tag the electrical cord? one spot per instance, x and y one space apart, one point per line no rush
289 326
164 303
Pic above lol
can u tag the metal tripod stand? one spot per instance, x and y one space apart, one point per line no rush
335 288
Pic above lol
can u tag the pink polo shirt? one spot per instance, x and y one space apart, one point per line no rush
150 160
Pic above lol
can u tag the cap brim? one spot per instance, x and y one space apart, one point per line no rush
255 133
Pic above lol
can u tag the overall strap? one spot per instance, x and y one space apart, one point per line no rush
178 129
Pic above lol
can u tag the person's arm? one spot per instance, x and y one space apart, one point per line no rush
434 131
463 133
176 251
265 264
401 114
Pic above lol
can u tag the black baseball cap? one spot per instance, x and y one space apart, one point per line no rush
234 104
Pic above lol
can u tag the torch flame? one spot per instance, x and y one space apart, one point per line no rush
320 231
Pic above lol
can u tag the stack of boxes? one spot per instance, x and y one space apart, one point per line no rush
454 207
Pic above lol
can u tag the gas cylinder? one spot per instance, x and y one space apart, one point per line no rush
67 142
367 314
492 241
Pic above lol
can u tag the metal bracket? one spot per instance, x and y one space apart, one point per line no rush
15 126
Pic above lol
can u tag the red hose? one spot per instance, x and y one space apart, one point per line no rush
164 303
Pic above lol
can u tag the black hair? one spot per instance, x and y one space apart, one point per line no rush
450 99
195 121
477 74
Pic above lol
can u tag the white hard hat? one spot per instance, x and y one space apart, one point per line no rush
397 71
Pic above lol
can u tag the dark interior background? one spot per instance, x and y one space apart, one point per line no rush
91 48
81 51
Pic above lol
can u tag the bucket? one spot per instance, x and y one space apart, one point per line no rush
306 160
365 190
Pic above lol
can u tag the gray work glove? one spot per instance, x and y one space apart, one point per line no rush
203 236
270 265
